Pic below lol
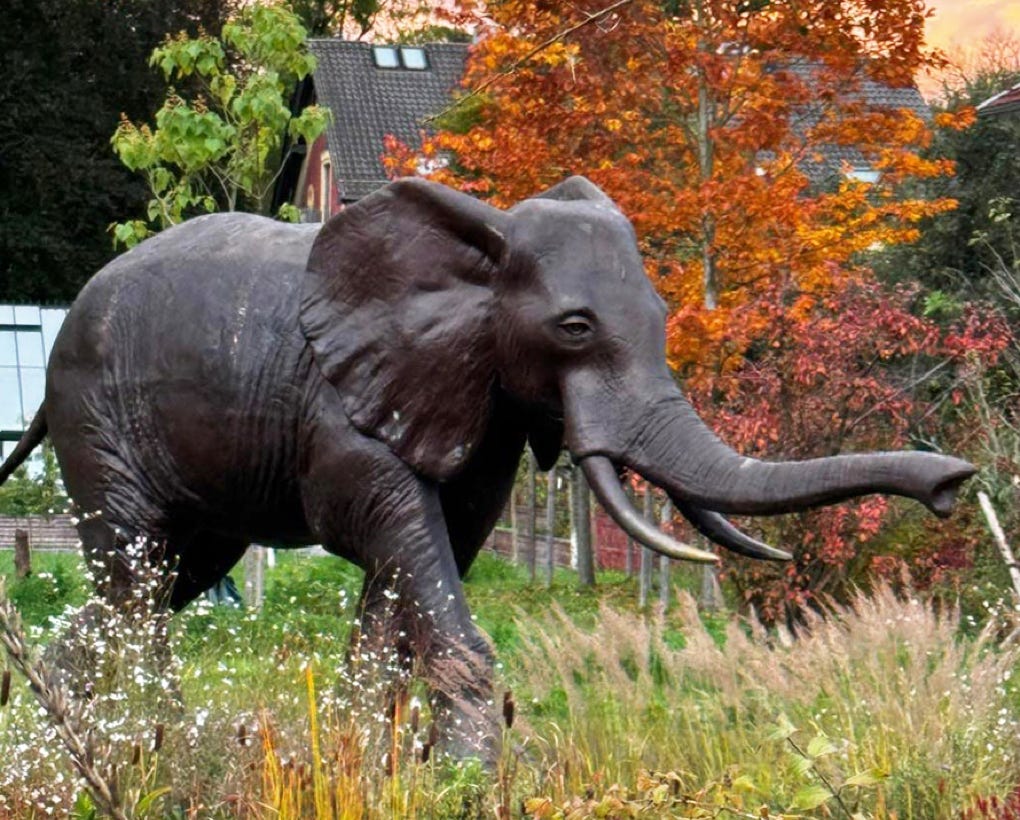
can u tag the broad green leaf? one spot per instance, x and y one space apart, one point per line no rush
161 179
820 746
869 778
84 808
802 765
810 798
289 213
784 729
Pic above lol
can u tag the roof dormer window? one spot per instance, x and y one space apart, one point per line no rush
386 56
410 57
413 58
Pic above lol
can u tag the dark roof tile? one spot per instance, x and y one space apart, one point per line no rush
368 103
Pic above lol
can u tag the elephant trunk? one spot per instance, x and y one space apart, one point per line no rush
674 449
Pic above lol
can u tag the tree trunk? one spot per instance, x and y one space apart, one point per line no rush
1000 541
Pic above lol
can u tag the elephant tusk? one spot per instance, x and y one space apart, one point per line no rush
717 529
601 476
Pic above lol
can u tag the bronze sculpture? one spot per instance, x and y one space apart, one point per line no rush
371 385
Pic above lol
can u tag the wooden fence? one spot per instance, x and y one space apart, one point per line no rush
527 529
45 532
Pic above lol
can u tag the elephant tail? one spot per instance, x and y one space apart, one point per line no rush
30 439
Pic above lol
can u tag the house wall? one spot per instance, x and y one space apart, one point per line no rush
310 191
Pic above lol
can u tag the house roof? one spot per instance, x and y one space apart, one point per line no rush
1004 102
829 161
369 102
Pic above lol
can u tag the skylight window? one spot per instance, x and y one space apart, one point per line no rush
864 174
386 56
413 58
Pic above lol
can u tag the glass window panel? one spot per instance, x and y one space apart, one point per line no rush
26 314
6 314
52 319
33 386
414 58
8 351
30 349
386 57
10 399
7 447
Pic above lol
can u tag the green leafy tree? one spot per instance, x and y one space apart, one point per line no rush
221 147
323 18
39 494
946 258
412 21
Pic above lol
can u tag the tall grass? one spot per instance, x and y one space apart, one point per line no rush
922 721
880 709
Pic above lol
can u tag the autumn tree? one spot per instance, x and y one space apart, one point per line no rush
713 125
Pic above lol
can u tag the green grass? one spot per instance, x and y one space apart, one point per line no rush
57 581
618 711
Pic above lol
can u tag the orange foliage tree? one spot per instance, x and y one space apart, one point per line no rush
710 124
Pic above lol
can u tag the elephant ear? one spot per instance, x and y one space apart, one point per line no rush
396 307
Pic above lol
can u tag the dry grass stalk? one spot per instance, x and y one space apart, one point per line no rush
889 678
51 696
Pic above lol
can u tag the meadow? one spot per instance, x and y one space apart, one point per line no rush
891 707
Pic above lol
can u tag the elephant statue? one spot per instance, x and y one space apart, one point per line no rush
370 385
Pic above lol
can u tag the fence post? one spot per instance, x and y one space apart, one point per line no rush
515 547
645 571
22 554
629 547
550 525
666 523
711 596
532 516
254 577
580 512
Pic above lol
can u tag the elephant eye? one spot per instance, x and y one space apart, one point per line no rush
575 326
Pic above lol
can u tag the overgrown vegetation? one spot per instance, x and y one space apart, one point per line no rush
880 710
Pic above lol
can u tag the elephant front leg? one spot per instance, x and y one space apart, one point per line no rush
414 609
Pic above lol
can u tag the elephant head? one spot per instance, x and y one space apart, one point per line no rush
422 304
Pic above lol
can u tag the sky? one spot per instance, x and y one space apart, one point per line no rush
959 24
963 21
